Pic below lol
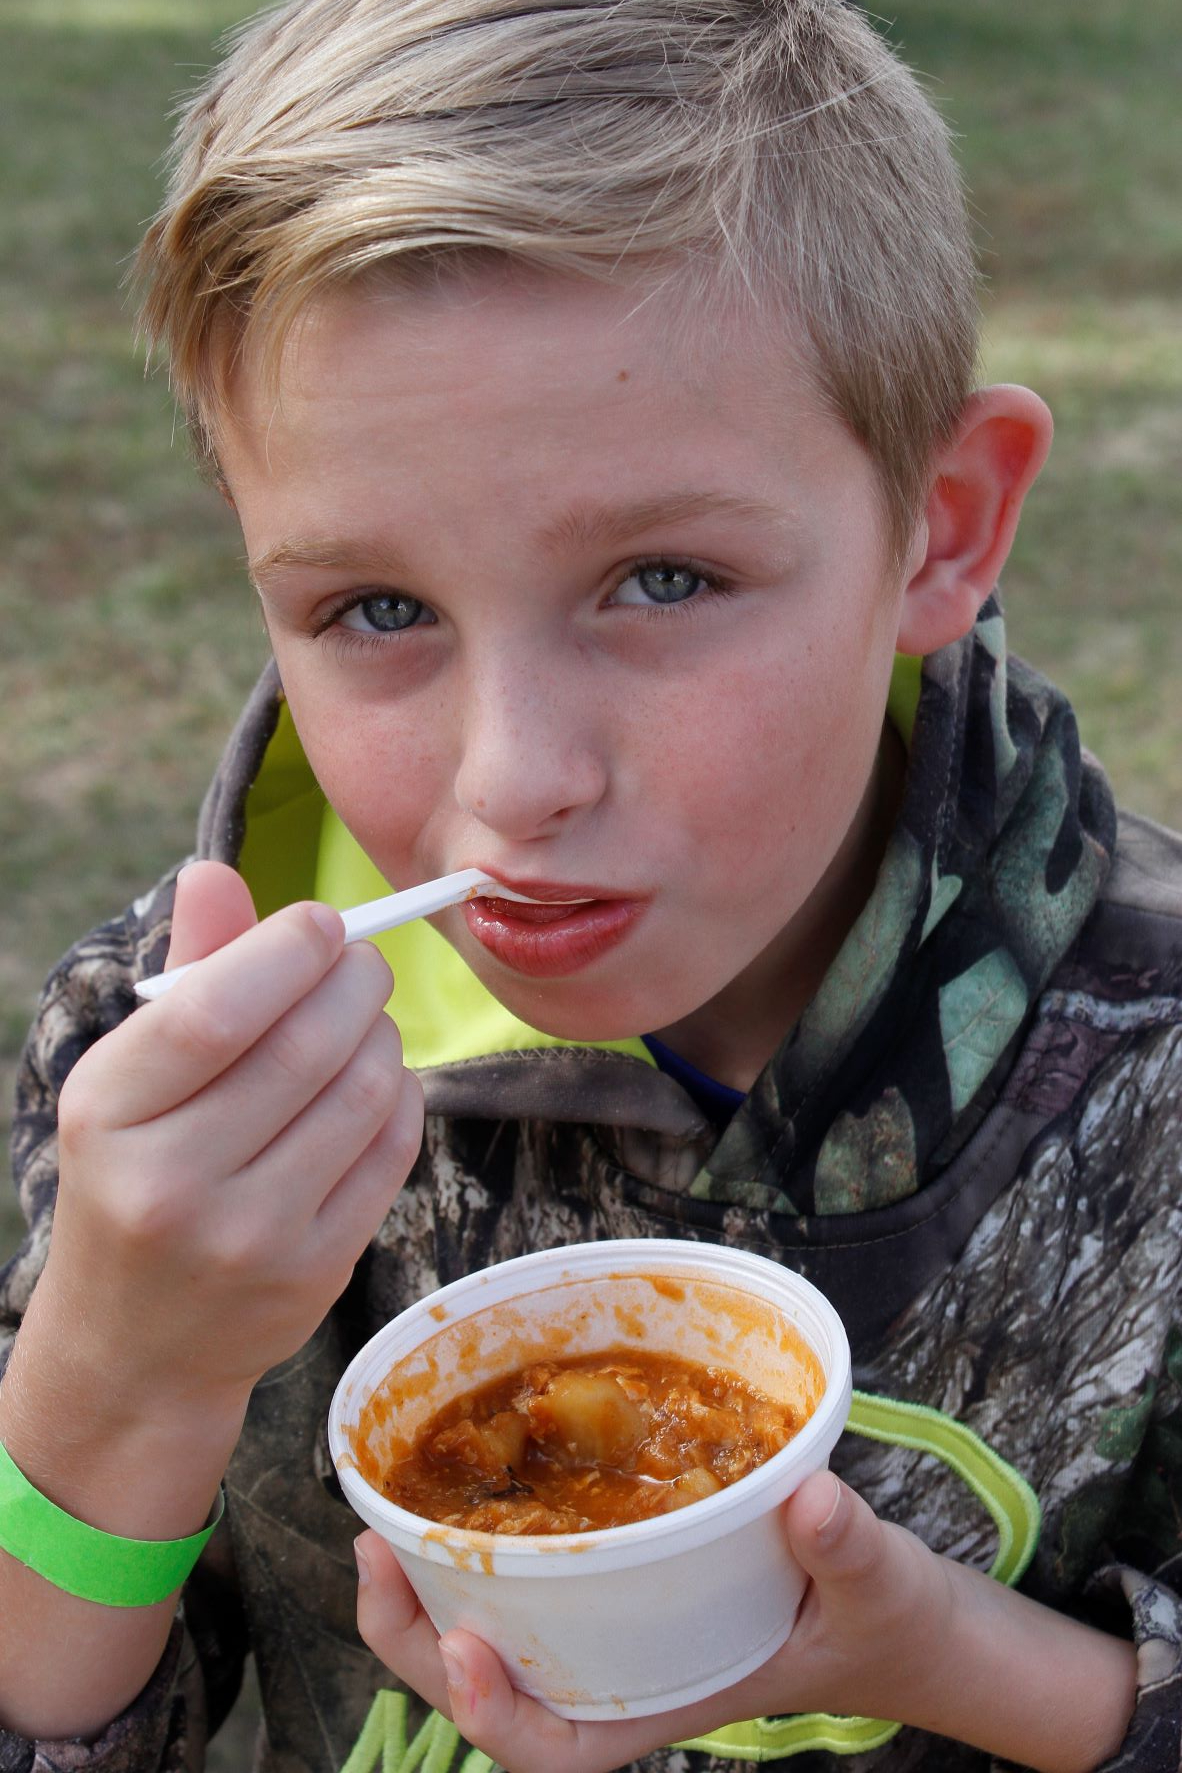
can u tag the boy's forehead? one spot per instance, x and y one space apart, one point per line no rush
461 337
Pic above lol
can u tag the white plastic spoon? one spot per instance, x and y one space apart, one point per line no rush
379 914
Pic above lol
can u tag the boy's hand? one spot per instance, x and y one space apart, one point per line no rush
872 1611
886 1629
227 1153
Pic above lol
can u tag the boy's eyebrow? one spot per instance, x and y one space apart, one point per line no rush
301 551
582 525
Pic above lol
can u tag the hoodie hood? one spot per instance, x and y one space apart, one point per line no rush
1003 843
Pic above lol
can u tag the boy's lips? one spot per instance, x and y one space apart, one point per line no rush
563 930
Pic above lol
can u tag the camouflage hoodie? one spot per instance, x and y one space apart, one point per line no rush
970 1140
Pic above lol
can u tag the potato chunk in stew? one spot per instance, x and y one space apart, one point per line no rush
571 1446
588 1418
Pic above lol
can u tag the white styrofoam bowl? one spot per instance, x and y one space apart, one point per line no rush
631 1620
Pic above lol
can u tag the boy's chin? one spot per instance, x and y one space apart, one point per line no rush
579 1024
574 1009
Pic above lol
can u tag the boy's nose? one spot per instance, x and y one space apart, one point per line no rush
530 761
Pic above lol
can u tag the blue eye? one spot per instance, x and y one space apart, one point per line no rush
660 584
385 614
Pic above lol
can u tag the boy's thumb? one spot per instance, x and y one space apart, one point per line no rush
835 1536
212 906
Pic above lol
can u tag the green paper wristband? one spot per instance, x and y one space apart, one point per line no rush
83 1561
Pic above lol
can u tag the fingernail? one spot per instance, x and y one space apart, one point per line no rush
453 1668
836 1504
324 915
363 1570
185 868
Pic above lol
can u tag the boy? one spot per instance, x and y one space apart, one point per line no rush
592 383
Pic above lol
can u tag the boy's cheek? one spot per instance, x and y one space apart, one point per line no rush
383 780
773 784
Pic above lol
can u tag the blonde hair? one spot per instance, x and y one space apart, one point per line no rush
771 148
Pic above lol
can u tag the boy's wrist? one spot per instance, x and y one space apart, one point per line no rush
137 1462
125 1378
1021 1681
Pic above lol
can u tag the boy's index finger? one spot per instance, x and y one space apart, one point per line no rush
174 1047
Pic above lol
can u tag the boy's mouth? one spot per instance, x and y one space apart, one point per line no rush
551 930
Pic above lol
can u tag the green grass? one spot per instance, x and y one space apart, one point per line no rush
130 633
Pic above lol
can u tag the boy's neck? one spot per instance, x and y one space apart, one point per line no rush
733 1037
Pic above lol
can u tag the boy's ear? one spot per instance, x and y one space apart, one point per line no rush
980 481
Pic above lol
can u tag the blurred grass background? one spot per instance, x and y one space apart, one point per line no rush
130 635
